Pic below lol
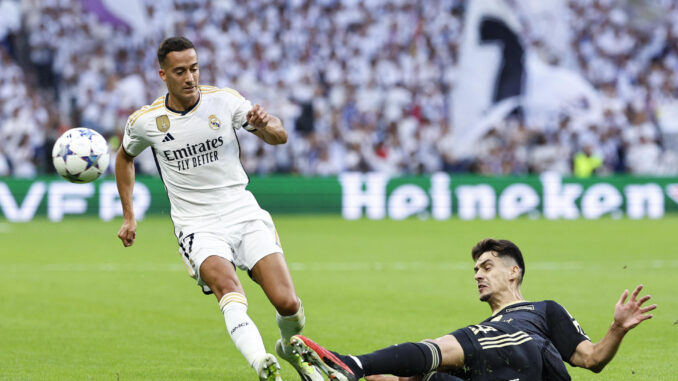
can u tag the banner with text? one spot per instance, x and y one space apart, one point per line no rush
370 195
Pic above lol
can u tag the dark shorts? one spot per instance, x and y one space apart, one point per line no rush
498 351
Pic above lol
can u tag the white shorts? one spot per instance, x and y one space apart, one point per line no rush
242 243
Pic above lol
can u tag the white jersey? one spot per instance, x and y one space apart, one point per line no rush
198 155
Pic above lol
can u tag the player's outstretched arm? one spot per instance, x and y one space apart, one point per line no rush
124 177
266 126
626 317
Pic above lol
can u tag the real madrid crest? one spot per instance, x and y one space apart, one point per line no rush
214 122
163 123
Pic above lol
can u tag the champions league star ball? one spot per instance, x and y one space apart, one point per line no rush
80 155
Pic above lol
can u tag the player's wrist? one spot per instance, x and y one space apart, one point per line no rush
618 328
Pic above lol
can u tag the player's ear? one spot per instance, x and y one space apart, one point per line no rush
515 272
162 74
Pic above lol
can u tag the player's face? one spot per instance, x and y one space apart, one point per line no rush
493 275
181 73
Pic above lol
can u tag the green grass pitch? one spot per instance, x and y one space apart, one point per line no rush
76 305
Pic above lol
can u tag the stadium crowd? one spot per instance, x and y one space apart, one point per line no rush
361 86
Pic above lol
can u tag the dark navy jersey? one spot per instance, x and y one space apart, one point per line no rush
523 341
545 320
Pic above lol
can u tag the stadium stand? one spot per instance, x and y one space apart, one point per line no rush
361 86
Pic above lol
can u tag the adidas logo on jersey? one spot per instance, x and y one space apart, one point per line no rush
168 138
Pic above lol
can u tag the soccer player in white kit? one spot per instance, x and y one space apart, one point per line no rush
218 223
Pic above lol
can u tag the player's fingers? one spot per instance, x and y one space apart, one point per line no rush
648 308
643 299
253 116
129 238
636 292
624 294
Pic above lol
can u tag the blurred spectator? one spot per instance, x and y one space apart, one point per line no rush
586 162
361 86
10 22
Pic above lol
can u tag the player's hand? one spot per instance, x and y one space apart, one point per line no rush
128 232
257 117
628 315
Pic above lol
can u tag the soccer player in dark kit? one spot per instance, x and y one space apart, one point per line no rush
522 340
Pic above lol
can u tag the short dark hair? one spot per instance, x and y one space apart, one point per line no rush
172 44
503 248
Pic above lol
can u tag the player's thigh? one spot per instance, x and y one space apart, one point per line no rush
219 275
261 253
451 351
209 257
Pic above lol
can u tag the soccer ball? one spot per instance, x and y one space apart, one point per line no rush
80 155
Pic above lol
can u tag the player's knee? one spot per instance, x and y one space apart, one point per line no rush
452 354
287 304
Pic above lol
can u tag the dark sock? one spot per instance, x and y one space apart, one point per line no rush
403 360
357 370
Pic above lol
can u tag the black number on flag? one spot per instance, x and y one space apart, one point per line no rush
511 74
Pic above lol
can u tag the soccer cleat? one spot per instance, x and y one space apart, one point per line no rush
306 371
269 369
323 359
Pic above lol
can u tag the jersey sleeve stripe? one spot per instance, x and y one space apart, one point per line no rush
212 90
144 112
234 92
153 105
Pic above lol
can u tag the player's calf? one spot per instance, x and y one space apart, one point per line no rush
404 360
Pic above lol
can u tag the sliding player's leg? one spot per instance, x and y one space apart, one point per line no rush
219 274
404 360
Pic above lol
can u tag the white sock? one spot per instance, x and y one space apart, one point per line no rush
241 328
291 325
